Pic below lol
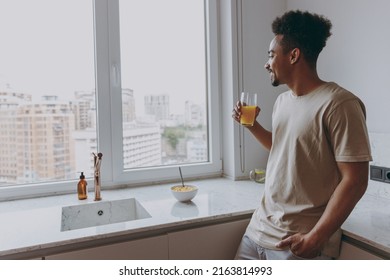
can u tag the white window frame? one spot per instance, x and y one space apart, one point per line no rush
109 115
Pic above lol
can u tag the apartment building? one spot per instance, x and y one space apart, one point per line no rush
36 142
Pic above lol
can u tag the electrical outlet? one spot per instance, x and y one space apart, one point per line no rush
387 175
380 173
376 173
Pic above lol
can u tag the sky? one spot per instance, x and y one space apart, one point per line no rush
163 62
47 48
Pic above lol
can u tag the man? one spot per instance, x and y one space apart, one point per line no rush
319 150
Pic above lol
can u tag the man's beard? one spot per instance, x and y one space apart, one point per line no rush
274 82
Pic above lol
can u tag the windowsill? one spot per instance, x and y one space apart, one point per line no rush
37 221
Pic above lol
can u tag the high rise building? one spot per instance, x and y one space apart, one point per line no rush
9 102
197 150
141 145
38 143
84 109
157 105
128 105
85 143
194 114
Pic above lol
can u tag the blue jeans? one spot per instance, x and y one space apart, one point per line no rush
249 250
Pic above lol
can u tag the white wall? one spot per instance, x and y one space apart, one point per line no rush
357 56
245 37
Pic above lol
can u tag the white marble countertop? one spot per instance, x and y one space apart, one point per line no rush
369 224
32 227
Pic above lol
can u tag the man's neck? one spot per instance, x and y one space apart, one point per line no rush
304 82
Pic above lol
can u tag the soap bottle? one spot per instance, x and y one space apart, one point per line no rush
82 187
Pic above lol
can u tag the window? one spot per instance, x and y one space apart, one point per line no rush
163 80
46 60
133 79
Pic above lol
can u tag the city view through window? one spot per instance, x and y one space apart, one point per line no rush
48 107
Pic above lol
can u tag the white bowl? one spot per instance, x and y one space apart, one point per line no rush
185 193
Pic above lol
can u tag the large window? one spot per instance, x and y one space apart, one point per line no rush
133 79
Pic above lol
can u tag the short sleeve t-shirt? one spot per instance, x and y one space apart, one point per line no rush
310 134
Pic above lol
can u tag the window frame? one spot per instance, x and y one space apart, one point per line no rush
109 113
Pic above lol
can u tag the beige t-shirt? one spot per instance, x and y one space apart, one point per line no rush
310 134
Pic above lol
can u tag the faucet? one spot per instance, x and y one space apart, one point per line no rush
97 163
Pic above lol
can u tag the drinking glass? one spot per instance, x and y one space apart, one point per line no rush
248 108
257 175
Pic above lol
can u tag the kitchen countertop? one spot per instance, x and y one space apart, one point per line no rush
31 228
368 225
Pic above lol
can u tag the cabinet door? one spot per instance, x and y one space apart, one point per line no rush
216 242
351 252
153 248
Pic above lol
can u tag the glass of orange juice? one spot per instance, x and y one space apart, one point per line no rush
248 108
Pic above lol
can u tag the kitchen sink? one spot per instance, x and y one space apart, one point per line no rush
101 213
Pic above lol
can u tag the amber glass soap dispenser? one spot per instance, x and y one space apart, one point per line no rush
82 187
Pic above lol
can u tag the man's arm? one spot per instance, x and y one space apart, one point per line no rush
260 133
353 184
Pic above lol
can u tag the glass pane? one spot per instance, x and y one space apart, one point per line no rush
47 90
163 66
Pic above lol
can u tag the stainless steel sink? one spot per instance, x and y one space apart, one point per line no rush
101 213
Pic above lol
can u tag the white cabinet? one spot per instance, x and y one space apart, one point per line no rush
213 242
153 248
352 252
216 242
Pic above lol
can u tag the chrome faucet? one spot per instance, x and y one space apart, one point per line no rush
97 163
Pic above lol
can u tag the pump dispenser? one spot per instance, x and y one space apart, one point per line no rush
82 187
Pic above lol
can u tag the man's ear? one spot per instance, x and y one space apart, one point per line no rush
295 55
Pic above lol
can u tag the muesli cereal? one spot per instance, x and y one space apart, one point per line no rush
183 189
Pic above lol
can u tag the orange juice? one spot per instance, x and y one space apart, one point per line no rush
248 114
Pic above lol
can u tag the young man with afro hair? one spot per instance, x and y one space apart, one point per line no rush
319 150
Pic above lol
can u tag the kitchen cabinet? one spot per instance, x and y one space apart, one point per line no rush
216 242
152 248
352 252
219 241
